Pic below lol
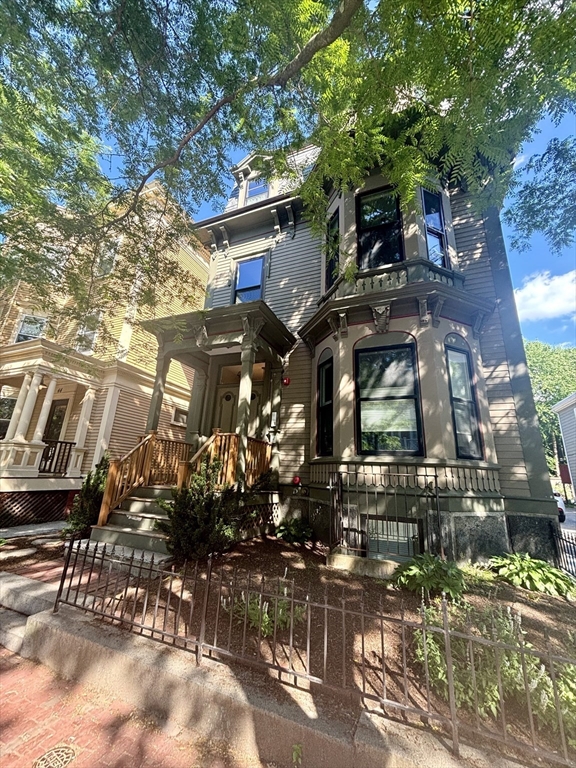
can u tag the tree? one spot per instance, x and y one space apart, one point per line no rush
551 371
99 96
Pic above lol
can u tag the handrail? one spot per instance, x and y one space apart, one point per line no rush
127 474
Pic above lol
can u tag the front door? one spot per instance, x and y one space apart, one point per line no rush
55 420
226 413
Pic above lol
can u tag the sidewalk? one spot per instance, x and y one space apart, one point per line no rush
39 712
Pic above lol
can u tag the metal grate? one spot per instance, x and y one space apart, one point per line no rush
58 757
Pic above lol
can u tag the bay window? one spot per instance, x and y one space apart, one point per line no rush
325 418
435 234
464 410
379 227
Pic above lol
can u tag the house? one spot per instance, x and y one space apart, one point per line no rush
67 395
393 406
566 412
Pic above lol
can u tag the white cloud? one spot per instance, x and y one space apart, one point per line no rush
519 160
545 297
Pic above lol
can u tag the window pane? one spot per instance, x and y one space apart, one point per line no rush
435 248
251 294
459 375
386 373
257 187
433 210
332 248
326 383
389 425
466 430
31 328
249 273
378 208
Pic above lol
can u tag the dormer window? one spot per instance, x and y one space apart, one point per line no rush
379 227
435 234
31 327
257 188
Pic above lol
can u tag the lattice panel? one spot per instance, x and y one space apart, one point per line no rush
27 507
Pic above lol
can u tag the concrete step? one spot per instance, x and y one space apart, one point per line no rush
141 521
12 629
120 555
152 541
137 504
24 595
153 492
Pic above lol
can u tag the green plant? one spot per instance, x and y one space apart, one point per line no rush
262 613
429 573
201 519
87 503
297 754
521 570
509 666
2 542
294 531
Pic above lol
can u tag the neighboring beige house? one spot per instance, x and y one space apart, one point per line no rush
399 397
63 404
566 412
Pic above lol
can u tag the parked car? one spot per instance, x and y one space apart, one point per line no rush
561 507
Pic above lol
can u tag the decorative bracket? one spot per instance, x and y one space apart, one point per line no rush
381 314
343 317
225 238
277 227
201 336
423 311
213 244
333 323
479 318
310 344
252 327
439 303
291 221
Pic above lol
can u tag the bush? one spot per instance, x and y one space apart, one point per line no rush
294 531
536 575
201 520
87 503
429 573
262 615
499 625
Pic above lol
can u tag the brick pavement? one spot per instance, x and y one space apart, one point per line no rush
39 711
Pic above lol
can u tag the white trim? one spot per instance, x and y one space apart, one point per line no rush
566 403
106 424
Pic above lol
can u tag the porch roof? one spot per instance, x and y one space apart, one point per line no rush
50 358
203 333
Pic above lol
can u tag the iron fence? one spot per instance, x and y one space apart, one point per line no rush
391 515
565 549
407 664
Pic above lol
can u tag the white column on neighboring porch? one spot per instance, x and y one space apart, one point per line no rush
162 366
248 358
44 412
77 453
28 408
14 419
196 408
276 398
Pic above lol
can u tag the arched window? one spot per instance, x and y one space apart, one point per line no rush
463 398
325 414
388 401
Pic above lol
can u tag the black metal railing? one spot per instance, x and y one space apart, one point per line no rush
341 641
565 549
55 457
394 516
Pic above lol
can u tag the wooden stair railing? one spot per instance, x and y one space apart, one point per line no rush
127 474
223 446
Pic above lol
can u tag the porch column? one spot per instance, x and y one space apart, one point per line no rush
276 397
196 408
44 412
162 366
18 407
77 453
248 358
28 408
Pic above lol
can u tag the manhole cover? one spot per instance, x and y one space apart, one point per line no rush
56 758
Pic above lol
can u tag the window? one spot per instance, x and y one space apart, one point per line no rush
464 411
332 249
249 277
86 338
325 419
387 401
31 327
7 405
257 188
435 235
180 416
379 229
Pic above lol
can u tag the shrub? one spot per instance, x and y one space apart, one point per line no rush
201 520
294 531
262 614
536 575
499 625
87 503
429 573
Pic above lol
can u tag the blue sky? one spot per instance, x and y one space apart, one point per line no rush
545 284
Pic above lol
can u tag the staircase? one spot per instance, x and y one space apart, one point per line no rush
132 524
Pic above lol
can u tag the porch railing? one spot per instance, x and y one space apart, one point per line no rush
154 461
340 640
223 447
55 457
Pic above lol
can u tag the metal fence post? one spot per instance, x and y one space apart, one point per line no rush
450 677
199 648
64 572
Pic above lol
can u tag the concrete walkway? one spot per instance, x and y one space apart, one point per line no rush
37 529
